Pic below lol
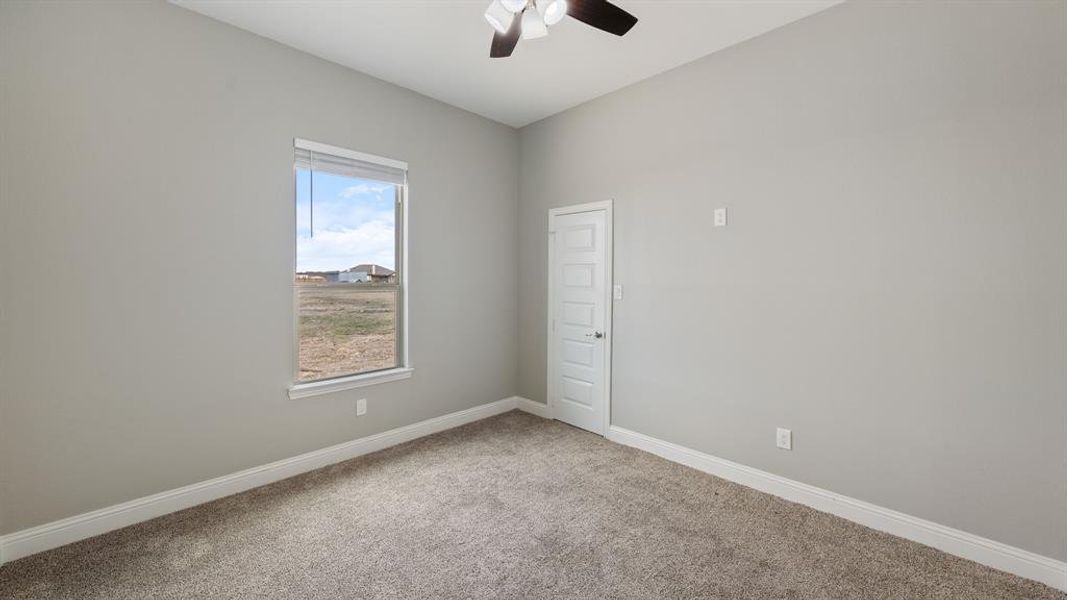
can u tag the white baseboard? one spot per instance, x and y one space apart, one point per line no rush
534 408
1017 561
72 529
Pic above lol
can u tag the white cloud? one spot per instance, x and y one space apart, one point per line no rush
339 249
364 188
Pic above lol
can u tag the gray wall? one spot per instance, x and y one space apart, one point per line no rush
892 284
146 244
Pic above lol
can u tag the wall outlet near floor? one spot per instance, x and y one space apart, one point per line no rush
720 217
361 407
785 439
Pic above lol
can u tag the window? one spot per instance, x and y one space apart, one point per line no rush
349 280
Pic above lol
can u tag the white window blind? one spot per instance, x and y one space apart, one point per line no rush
320 157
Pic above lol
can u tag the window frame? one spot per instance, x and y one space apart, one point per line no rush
404 369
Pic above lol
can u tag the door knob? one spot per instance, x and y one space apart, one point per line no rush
595 334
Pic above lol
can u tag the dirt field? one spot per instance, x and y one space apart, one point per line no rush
346 328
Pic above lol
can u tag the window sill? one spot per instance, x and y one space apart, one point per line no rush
328 386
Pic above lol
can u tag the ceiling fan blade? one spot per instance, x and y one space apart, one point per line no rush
504 43
602 14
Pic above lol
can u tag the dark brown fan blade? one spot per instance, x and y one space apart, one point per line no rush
504 43
601 14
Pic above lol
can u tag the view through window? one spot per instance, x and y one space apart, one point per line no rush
347 256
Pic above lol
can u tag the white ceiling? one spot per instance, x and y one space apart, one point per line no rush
440 48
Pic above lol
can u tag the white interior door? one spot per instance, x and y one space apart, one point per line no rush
580 319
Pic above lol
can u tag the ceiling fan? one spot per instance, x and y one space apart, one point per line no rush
530 19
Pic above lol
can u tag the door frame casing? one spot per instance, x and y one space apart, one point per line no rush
609 269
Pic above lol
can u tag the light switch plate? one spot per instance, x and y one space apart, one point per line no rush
617 291
785 439
361 407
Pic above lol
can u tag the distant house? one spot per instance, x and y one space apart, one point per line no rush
317 277
367 274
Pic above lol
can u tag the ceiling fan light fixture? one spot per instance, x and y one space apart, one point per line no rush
514 5
499 16
533 26
536 16
553 11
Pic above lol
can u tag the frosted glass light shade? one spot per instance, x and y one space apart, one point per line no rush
514 5
553 11
533 26
499 16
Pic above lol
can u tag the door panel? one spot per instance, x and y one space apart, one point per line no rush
578 313
578 276
578 353
580 280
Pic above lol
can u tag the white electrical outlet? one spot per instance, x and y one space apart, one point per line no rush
361 407
720 217
617 291
785 439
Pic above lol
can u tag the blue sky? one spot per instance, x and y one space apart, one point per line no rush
354 221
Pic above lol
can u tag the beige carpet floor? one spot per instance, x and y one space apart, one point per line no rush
510 507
